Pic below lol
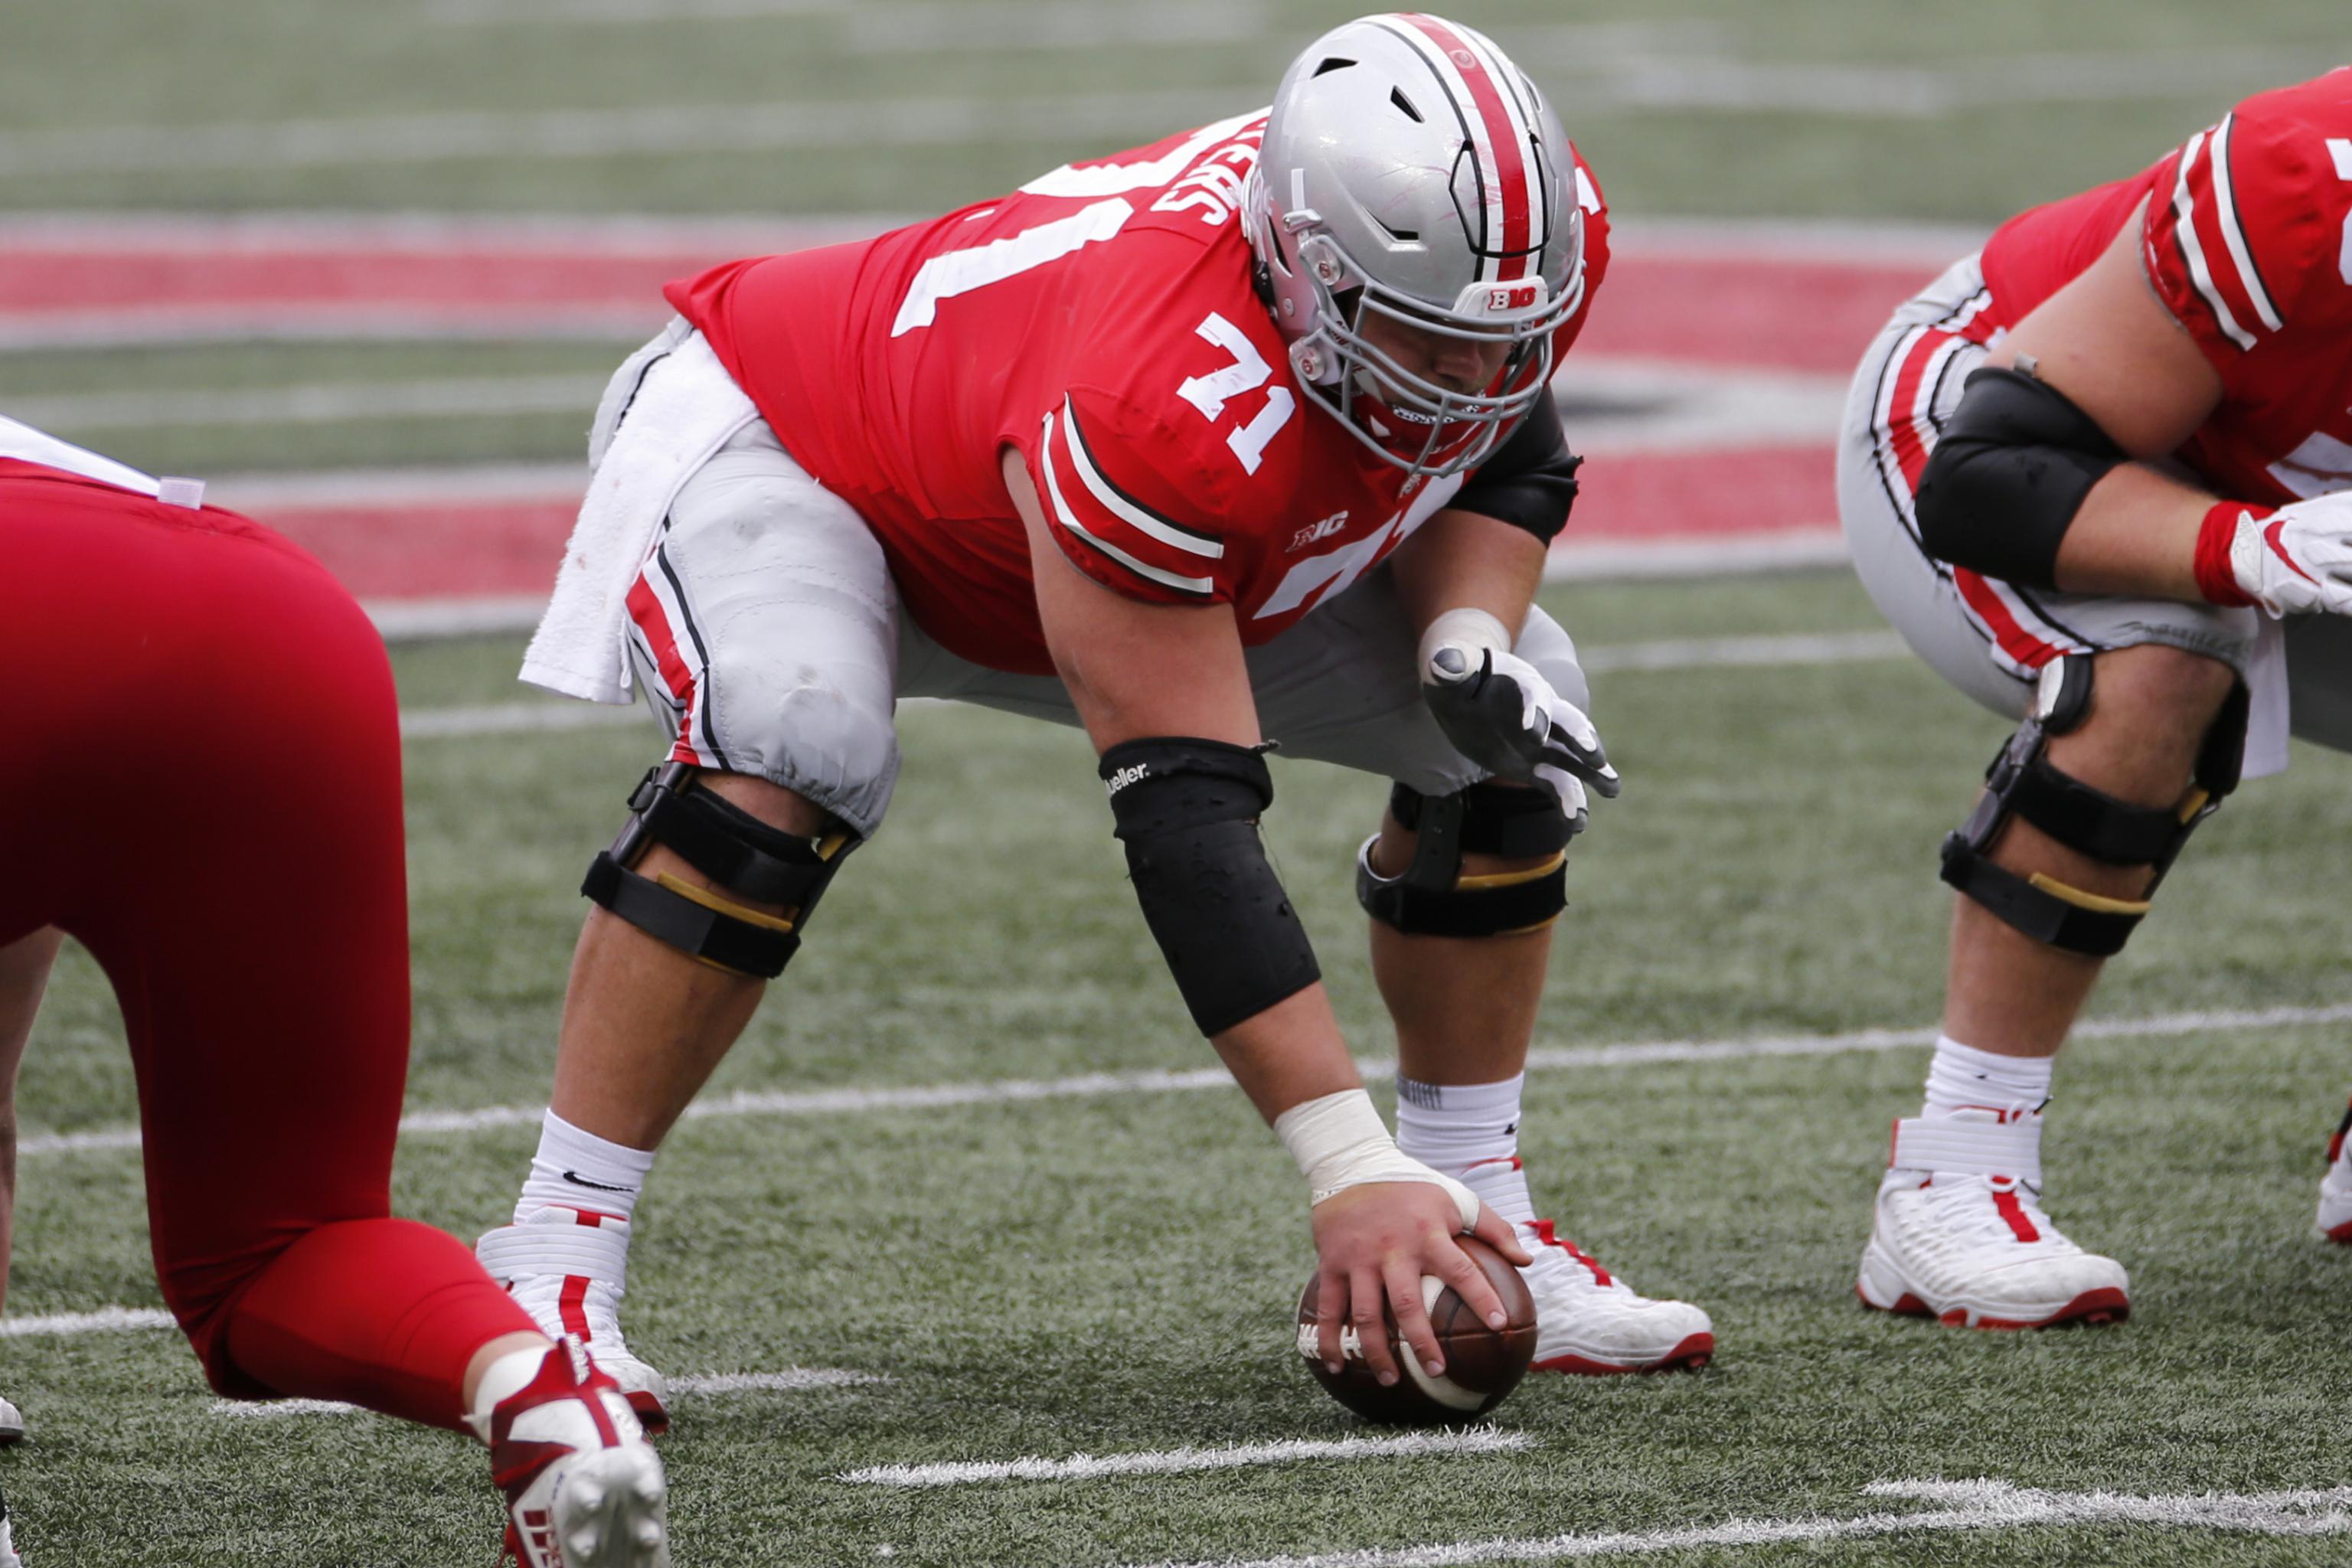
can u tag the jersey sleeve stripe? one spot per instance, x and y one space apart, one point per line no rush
1125 506
1201 585
2193 250
2233 234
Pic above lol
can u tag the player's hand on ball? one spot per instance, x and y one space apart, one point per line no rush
1373 1244
2298 560
1501 713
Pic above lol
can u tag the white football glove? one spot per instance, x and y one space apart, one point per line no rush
2298 559
1501 713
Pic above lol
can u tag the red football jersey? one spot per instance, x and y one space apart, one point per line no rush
1102 320
2248 238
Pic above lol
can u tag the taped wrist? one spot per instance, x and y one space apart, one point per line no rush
1339 1141
1187 811
2007 477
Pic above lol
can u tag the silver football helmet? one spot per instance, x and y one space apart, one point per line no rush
1413 176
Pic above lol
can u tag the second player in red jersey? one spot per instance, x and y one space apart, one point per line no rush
2100 477
1238 439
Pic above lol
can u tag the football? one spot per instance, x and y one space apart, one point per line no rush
1482 1364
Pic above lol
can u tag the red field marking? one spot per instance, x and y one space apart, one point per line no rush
1714 310
1785 306
1692 495
434 551
1704 307
453 549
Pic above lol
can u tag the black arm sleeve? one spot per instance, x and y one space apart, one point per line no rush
1531 480
2007 477
1187 810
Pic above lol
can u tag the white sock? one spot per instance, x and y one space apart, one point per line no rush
1470 1131
502 1379
581 1171
1963 1076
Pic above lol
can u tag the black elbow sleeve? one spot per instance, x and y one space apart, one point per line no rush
1187 811
1529 481
2007 477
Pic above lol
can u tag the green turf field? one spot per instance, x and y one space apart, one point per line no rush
1112 1273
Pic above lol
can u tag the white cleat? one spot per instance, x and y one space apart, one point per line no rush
12 1430
568 1267
583 1488
2334 1220
1591 1324
1960 1237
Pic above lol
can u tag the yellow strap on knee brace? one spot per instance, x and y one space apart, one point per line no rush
725 906
1512 879
2097 903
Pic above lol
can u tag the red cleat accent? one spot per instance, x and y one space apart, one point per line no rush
650 1415
2093 1309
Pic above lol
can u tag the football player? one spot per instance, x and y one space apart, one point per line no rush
1243 439
203 789
2097 476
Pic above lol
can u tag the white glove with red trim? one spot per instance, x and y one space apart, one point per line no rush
2296 560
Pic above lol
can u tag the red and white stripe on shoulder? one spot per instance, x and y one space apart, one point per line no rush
1497 119
1092 484
2202 251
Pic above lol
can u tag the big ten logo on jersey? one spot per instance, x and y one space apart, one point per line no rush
1213 186
1320 577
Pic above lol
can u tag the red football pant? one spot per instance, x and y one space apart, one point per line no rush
200 781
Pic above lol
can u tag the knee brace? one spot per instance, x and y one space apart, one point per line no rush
1434 899
2022 782
735 849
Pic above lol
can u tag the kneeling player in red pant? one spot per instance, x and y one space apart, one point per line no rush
201 785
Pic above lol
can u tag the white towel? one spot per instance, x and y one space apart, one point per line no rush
2266 718
680 411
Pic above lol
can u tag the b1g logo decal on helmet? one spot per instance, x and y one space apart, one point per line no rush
1519 297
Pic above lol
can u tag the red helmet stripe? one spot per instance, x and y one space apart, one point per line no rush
1504 153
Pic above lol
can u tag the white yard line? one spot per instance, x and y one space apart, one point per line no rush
516 719
1613 406
1086 1086
1618 79
573 235
318 403
105 1321
1616 406
1669 654
1715 653
699 129
900 27
1175 1461
1715 556
1970 1505
795 1380
428 620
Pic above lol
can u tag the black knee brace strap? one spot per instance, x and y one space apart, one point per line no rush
734 849
1187 811
2022 783
1434 899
